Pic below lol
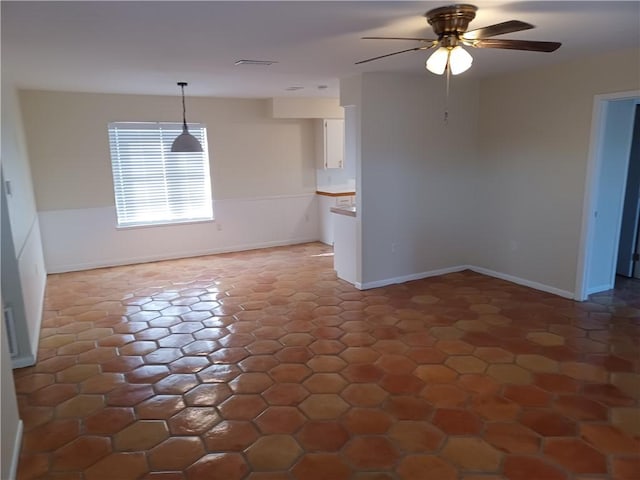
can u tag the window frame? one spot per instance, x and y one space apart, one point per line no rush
159 164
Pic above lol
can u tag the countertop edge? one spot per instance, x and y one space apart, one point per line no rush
335 194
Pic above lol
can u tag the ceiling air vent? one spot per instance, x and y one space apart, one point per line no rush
255 62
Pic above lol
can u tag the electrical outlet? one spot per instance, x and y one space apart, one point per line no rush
306 217
219 226
394 247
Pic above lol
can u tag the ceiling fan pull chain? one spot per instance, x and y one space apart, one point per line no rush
446 99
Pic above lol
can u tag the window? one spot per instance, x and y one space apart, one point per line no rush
154 185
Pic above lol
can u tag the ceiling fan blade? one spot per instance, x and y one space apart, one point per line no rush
530 45
414 49
497 29
426 40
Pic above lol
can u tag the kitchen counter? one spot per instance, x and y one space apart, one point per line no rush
349 211
335 192
329 197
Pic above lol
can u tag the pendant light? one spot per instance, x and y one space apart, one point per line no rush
185 142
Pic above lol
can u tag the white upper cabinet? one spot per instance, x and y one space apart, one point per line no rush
330 143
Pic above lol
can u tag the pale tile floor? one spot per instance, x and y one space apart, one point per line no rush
263 365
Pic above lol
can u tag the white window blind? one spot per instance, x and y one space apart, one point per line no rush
154 185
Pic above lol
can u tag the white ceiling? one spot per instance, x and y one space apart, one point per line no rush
146 47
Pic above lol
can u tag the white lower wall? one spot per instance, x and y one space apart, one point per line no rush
33 280
87 238
11 425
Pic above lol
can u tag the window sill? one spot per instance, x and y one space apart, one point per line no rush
164 224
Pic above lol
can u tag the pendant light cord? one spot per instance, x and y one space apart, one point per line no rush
184 109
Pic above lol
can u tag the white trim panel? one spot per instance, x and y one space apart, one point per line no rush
24 360
33 279
178 255
15 457
81 239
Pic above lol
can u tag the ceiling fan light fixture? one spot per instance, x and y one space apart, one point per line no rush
451 27
456 58
185 142
437 62
459 60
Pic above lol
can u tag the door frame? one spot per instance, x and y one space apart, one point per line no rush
594 165
630 218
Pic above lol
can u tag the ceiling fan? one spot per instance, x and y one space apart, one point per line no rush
450 25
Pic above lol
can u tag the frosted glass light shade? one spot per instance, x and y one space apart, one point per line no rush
459 60
185 142
437 62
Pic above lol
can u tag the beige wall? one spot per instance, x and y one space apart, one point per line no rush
415 173
252 154
263 177
501 189
534 143
15 168
305 107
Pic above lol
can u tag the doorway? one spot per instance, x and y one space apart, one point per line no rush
627 264
607 173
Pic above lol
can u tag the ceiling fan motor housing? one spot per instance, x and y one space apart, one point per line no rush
452 21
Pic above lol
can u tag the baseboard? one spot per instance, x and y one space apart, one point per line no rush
360 286
35 341
598 289
15 457
521 281
484 271
408 278
156 258
24 360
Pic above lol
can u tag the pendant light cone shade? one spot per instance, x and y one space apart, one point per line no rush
437 62
185 142
459 60
456 58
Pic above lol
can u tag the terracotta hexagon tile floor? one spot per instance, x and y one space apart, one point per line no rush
262 365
